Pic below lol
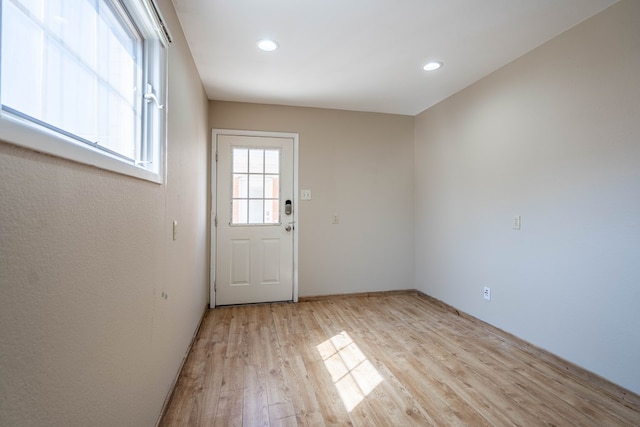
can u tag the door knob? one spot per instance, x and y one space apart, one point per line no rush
289 226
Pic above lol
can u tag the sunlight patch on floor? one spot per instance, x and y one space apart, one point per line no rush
352 373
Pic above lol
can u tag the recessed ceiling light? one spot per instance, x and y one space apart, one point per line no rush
267 45
432 65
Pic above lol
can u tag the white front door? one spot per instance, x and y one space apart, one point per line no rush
254 211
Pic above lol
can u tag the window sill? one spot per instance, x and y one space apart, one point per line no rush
15 132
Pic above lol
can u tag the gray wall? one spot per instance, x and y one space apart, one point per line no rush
358 166
553 137
86 338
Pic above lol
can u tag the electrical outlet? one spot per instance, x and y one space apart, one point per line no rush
517 220
487 293
335 219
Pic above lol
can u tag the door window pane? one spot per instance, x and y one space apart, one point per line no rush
240 160
240 185
256 186
256 211
239 212
272 161
256 161
271 211
271 186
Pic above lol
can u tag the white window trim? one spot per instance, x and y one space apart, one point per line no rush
20 132
14 131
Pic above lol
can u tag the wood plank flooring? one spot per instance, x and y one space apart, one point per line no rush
382 360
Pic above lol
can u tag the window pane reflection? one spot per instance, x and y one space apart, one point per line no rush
271 212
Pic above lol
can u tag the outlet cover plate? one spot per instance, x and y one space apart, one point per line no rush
517 222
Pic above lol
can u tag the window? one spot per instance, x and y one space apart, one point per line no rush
256 186
85 80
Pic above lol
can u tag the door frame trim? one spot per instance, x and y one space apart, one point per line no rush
213 195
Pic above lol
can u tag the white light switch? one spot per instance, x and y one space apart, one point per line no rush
305 194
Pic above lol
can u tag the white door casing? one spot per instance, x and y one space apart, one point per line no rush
254 239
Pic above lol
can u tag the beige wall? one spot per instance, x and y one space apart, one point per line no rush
553 137
85 337
358 166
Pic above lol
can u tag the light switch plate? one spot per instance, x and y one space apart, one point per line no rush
305 194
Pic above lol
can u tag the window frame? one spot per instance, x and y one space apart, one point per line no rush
156 39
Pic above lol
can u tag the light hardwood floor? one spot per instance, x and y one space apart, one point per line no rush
399 359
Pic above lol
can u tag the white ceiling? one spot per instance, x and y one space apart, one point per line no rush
364 55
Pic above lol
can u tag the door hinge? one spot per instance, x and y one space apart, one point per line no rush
215 221
216 156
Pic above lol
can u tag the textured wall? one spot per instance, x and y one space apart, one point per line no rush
358 166
85 255
553 137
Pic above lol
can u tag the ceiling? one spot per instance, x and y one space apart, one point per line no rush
364 55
